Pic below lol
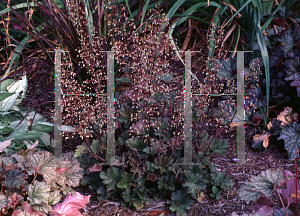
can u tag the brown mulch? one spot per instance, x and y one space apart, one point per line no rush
272 157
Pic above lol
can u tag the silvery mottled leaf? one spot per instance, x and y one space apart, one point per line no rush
287 42
3 201
291 136
14 178
265 182
38 193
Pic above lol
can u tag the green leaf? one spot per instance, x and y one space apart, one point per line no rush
95 146
136 143
219 146
194 184
80 149
4 95
150 166
22 135
216 192
126 181
166 77
222 180
291 136
111 177
141 198
265 182
167 182
125 113
124 79
42 126
180 201
4 84
102 195
163 163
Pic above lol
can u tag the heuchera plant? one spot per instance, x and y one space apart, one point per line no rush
149 106
33 181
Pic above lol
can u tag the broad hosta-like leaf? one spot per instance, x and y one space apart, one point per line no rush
21 135
19 88
194 184
4 95
4 84
264 182
291 136
180 202
111 177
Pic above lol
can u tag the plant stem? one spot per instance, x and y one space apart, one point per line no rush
281 202
88 144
